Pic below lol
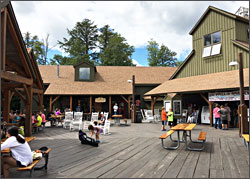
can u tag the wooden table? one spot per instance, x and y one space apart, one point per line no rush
117 118
184 128
58 118
7 150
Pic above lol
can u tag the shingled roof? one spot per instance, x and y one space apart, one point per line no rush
109 80
214 81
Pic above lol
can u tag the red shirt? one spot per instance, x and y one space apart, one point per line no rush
163 115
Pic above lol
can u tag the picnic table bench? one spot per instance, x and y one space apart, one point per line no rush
246 139
32 167
185 128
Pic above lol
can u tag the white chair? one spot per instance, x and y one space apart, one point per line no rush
77 121
86 125
195 119
144 118
94 116
149 116
157 114
68 119
106 127
106 115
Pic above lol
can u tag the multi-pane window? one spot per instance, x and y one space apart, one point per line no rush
84 73
212 44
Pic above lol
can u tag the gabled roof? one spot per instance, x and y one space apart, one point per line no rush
244 45
228 14
84 62
183 64
109 80
202 83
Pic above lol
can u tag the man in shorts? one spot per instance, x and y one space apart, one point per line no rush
163 118
223 116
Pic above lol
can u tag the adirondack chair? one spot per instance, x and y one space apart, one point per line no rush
94 116
106 127
77 121
68 119
157 115
149 116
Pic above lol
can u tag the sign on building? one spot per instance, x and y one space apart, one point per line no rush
227 96
100 100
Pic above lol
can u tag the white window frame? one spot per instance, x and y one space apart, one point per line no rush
166 106
212 45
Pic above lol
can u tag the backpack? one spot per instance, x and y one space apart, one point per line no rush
87 140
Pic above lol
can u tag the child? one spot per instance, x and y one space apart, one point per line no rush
43 118
98 131
39 120
163 118
170 118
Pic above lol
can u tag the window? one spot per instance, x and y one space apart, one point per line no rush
177 107
84 73
212 44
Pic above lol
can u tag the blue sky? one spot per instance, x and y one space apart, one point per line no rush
166 22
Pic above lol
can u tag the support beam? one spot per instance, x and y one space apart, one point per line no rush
50 103
204 98
110 103
20 95
10 85
129 110
153 104
27 93
17 78
124 99
90 104
54 100
28 120
6 106
38 91
211 113
70 103
40 98
3 37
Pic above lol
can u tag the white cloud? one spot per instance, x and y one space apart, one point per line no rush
136 62
167 22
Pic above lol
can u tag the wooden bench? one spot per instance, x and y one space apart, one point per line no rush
31 167
202 136
164 136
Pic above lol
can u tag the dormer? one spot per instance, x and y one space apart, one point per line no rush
85 71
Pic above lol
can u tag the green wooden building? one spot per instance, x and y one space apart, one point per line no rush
217 39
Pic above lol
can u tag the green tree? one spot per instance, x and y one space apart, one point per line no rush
82 42
178 63
37 46
104 37
117 52
59 59
162 56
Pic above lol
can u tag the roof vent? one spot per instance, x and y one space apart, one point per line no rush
243 12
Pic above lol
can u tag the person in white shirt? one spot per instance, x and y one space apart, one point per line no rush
20 150
115 109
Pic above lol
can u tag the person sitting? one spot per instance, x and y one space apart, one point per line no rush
20 150
33 120
43 118
58 112
191 117
39 120
16 119
98 130
102 120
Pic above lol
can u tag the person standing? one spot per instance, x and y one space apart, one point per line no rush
228 114
170 118
163 118
115 109
43 118
224 117
217 116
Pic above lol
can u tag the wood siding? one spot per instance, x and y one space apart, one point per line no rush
241 31
218 63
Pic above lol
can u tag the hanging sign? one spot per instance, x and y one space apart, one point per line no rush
100 100
227 96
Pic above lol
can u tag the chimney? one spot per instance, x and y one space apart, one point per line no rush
57 70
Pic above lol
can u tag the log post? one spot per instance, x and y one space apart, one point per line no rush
90 104
3 38
28 120
129 107
110 103
6 106
70 103
152 104
211 113
50 103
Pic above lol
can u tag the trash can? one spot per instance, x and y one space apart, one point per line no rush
138 117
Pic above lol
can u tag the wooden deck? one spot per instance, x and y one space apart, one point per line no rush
135 151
